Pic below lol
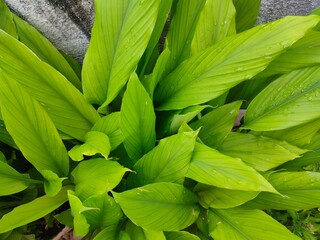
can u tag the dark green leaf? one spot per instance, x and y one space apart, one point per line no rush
246 13
182 235
136 232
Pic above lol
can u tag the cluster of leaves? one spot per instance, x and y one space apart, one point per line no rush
140 142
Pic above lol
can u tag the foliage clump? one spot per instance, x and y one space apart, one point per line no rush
146 139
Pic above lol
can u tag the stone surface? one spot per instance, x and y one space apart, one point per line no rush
67 23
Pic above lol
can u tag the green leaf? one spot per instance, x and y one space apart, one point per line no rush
216 125
32 129
167 162
107 175
222 198
44 49
110 125
6 20
106 213
5 136
185 116
217 20
289 101
31 211
181 235
300 135
259 152
120 35
304 53
210 167
52 183
12 181
243 224
136 232
247 13
310 158
214 71
63 102
181 31
300 191
162 18
159 206
80 224
137 120
95 142
112 232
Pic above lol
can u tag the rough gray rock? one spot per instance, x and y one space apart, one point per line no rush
67 23
271 10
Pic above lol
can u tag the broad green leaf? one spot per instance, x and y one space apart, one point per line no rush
112 232
216 125
217 20
63 102
167 162
3 157
259 152
303 53
52 183
307 159
243 224
137 120
94 142
159 206
222 198
96 176
31 211
106 213
6 20
151 81
181 31
185 116
44 49
120 35
246 13
300 135
65 218
211 167
5 137
32 129
181 235
80 224
136 232
110 125
12 181
162 18
213 71
300 191
289 101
